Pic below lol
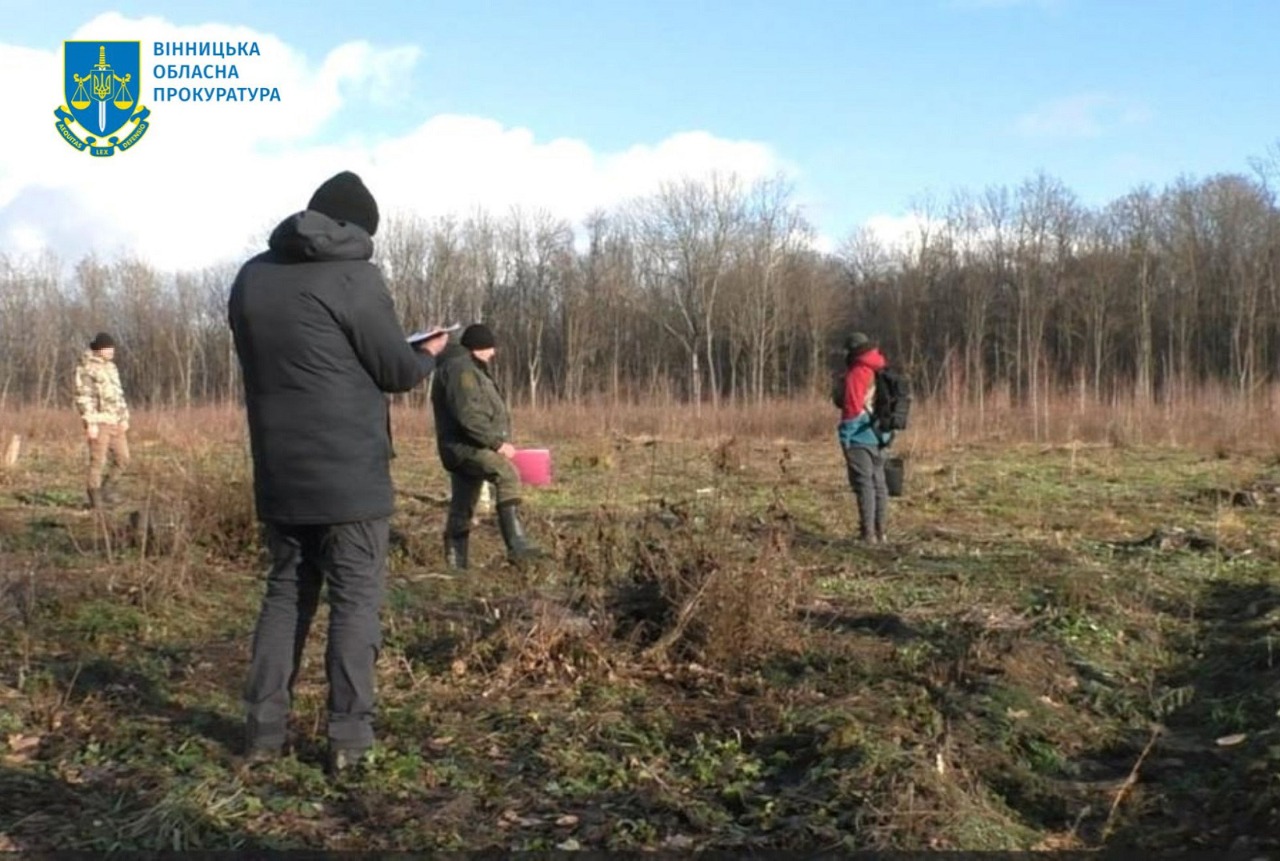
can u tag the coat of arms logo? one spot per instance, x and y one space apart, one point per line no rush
101 84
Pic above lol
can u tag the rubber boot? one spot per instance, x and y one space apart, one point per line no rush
455 550
457 525
519 548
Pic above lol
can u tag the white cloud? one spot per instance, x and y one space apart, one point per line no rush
900 234
822 243
381 73
1087 115
209 180
26 241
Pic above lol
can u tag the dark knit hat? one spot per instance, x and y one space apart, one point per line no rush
343 197
101 341
478 336
858 342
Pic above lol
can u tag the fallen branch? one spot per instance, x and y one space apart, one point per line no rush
1129 782
682 622
1175 538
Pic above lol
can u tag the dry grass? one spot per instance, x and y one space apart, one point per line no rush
706 586
1212 417
705 663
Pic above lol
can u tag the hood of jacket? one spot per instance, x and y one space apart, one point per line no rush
309 236
872 359
452 351
89 358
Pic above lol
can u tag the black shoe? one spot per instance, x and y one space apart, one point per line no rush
519 548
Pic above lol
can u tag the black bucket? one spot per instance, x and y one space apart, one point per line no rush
895 469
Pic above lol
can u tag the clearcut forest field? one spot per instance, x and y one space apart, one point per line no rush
1066 644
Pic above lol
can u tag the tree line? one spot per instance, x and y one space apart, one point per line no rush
712 290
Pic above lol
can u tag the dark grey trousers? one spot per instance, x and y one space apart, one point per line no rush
865 465
351 559
465 493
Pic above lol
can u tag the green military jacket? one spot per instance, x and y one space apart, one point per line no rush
99 395
470 412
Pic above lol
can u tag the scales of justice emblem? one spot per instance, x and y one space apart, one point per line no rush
99 82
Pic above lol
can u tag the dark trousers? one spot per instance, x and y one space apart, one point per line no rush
351 559
865 465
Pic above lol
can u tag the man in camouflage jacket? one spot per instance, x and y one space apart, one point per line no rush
473 429
101 403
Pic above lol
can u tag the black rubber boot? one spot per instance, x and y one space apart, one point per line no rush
519 547
455 550
457 526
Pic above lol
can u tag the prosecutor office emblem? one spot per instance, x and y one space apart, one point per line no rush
101 84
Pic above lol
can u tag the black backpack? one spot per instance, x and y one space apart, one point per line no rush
837 389
891 406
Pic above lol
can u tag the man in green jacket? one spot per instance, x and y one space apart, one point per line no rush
473 429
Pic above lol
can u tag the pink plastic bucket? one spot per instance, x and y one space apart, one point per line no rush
534 465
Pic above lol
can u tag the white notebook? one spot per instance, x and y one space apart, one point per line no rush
427 334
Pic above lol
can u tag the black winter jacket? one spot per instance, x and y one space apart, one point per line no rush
319 345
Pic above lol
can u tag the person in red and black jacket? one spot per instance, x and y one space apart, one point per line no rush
863 444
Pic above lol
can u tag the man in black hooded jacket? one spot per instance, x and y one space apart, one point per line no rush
320 345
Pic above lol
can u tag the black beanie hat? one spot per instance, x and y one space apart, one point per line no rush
101 341
858 342
343 197
478 336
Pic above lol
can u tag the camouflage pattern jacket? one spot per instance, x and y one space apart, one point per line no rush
99 395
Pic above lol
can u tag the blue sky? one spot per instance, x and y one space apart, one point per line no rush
867 104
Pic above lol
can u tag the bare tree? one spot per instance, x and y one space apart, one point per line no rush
711 287
685 232
773 231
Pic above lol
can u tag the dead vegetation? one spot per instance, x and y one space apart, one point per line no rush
1062 647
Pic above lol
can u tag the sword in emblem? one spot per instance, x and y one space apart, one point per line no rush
102 87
